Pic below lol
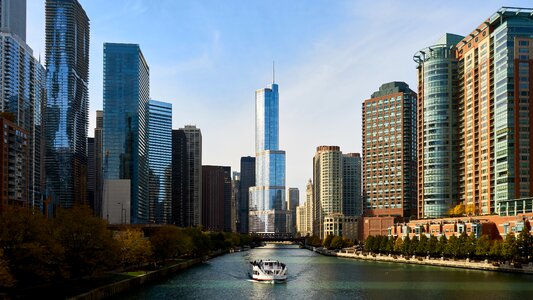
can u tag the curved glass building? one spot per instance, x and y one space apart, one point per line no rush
437 127
267 199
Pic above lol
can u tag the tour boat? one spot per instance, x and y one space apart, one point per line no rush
268 270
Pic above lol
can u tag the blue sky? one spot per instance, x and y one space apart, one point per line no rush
208 57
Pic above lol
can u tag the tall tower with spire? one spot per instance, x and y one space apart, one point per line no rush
268 209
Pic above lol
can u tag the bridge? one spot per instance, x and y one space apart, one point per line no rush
277 237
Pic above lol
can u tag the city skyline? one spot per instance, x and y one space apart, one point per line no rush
219 52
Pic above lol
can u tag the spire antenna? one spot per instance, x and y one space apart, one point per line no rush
273 72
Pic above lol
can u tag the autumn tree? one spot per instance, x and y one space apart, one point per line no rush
6 279
457 210
135 250
170 242
398 245
336 242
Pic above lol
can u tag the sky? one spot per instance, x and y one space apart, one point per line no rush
208 57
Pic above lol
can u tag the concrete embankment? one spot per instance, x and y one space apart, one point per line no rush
439 262
122 286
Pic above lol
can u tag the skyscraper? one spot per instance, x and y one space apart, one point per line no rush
389 151
327 178
352 203
235 195
99 163
22 91
160 161
187 176
216 198
91 172
268 212
67 101
437 127
13 17
247 181
293 201
126 95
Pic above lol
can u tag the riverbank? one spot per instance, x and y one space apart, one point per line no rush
438 262
119 287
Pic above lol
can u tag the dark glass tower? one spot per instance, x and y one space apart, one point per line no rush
66 114
160 160
126 95
216 198
247 181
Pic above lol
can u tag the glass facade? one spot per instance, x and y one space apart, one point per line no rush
126 95
67 101
352 202
160 161
268 212
247 181
22 80
438 153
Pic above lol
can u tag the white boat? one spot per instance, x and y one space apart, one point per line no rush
268 270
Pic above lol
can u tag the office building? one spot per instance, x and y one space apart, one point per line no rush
216 197
126 95
268 212
247 181
293 201
91 172
67 101
389 152
187 176
160 161
98 163
352 202
235 195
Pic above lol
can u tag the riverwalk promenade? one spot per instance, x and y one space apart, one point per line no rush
440 262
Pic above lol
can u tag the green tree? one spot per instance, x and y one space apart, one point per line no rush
201 243
524 244
510 248
135 250
496 250
432 246
346 242
422 248
170 242
369 243
471 245
483 246
406 246
462 247
336 242
327 241
89 246
414 245
452 248
441 246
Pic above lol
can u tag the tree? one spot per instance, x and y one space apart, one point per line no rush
457 210
346 242
470 209
406 246
135 250
452 248
88 244
432 246
524 244
6 279
398 245
202 245
422 248
336 242
471 245
496 250
170 242
510 247
327 241
441 246
483 247
29 246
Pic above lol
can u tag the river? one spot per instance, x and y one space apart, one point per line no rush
313 276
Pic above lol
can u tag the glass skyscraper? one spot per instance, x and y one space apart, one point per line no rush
67 101
268 212
247 181
126 95
160 161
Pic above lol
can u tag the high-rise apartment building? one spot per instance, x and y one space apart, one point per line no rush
474 122
293 201
304 213
67 101
13 18
327 179
352 202
160 161
14 164
126 95
187 176
247 181
91 172
22 86
216 198
389 151
235 195
268 212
